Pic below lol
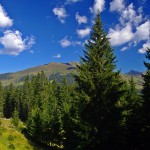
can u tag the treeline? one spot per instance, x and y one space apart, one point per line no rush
99 111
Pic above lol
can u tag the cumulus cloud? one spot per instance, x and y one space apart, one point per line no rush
14 44
98 6
65 42
60 13
144 48
81 19
83 32
132 28
142 31
5 20
57 56
125 34
121 36
130 15
117 5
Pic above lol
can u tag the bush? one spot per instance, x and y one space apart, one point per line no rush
11 146
10 138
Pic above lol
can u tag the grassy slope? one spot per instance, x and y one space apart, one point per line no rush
12 139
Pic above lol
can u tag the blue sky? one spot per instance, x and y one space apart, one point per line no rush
37 32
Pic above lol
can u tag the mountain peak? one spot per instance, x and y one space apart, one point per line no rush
134 73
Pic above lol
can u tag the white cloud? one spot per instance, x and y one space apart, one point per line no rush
98 6
83 32
144 48
124 48
65 42
117 5
130 15
121 36
5 20
57 56
14 44
130 20
142 31
72 1
60 13
81 19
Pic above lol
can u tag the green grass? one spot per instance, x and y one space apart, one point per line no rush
12 138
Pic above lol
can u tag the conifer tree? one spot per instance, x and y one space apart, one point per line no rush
27 96
146 103
132 116
99 81
9 104
1 99
15 118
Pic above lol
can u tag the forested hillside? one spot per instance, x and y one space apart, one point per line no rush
100 110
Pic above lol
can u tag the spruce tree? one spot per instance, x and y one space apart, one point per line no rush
99 81
132 116
27 97
146 103
9 104
1 99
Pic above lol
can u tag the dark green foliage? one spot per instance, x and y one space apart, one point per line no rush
9 105
1 100
98 80
146 103
34 124
132 106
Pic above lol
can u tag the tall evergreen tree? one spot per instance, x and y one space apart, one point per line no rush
9 104
146 103
99 81
1 99
132 117
26 98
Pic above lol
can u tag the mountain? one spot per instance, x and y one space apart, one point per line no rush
50 71
134 73
58 71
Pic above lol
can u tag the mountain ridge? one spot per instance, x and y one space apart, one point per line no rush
57 70
134 72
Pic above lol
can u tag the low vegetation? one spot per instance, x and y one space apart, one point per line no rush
11 137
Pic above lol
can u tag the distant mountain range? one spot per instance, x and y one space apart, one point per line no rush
58 71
